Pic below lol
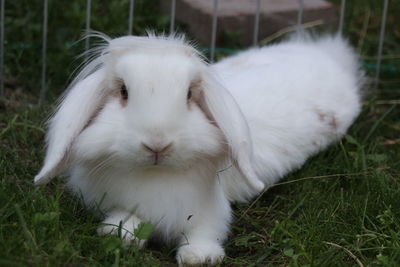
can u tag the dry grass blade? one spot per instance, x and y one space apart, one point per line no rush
347 251
289 29
298 180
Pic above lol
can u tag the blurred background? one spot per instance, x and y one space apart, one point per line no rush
67 21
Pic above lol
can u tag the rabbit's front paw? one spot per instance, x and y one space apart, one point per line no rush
199 254
123 226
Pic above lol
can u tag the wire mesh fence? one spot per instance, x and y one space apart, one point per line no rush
213 33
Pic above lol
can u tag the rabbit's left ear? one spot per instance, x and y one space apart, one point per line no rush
226 113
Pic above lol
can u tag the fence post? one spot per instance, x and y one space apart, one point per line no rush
300 14
172 21
380 45
214 30
130 19
2 48
341 19
256 23
87 40
44 54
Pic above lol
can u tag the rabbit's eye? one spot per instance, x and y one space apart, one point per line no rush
189 94
124 92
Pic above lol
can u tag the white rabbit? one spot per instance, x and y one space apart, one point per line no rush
148 129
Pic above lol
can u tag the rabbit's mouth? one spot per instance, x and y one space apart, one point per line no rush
157 159
157 153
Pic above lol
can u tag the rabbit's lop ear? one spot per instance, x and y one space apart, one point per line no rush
76 110
223 108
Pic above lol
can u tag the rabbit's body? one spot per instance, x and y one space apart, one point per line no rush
297 97
181 146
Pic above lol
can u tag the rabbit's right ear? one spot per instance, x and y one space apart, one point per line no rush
222 108
74 113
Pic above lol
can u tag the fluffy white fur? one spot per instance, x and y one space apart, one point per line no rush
298 97
262 112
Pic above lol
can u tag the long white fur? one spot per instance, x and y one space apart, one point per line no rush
273 108
298 97
76 111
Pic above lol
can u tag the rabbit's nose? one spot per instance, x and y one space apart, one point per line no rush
157 148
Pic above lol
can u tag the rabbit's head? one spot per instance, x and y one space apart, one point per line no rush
147 102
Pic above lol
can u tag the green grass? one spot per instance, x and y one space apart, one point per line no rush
340 208
347 195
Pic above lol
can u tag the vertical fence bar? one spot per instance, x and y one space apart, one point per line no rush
172 22
88 14
130 20
214 30
256 23
300 14
341 19
380 45
44 54
2 48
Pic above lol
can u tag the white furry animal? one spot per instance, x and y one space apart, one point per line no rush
147 127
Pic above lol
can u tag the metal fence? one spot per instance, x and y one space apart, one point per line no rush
213 32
